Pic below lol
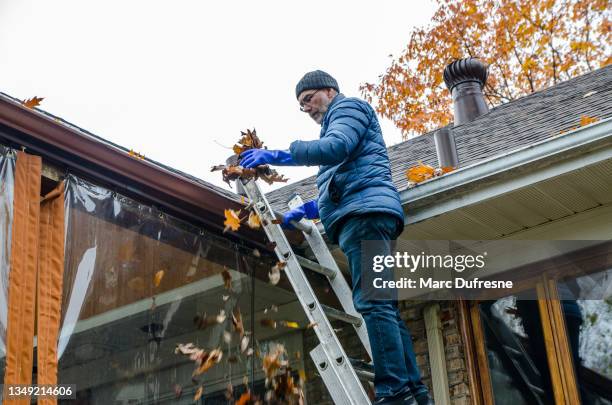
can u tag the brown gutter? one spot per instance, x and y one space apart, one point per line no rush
83 153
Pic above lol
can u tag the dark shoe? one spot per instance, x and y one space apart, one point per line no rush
424 400
401 399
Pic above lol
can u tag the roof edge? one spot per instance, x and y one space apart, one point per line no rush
555 148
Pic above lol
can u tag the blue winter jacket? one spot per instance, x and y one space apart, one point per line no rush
354 176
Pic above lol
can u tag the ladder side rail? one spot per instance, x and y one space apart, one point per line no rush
337 360
338 283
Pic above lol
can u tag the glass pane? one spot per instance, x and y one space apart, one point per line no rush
588 319
7 172
515 349
138 283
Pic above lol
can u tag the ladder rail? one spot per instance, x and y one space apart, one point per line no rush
338 282
340 377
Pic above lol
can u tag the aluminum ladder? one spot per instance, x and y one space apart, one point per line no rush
339 373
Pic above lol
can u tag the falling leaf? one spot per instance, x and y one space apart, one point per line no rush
237 322
158 278
272 362
290 324
32 102
227 279
586 120
232 221
256 253
187 348
221 317
178 391
225 297
302 375
229 391
419 173
244 399
218 167
254 222
198 393
208 360
227 337
244 343
270 323
274 275
311 325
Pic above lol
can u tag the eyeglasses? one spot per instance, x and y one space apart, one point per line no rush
307 99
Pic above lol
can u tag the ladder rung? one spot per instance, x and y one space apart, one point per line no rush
341 316
363 369
316 267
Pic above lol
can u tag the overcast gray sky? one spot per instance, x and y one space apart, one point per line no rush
178 80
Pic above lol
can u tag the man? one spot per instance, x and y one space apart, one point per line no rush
357 201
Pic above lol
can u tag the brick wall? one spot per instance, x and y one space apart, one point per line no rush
412 313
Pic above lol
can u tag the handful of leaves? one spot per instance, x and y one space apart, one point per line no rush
233 171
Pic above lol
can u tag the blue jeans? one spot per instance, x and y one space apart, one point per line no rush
395 365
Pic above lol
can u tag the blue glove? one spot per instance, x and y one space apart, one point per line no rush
309 210
254 157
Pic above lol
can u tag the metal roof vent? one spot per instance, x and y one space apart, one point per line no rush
465 78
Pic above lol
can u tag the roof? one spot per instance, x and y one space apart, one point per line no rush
528 120
218 190
72 149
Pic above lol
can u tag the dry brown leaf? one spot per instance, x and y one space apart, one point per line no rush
586 120
208 360
274 275
178 391
229 391
198 393
270 323
254 221
272 362
447 169
238 149
227 279
32 102
419 173
244 399
244 343
158 278
232 221
237 322
186 348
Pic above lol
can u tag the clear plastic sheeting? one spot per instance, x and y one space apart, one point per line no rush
139 282
7 182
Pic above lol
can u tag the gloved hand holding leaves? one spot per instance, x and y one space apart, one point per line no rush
251 158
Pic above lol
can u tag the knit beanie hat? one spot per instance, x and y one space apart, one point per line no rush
316 79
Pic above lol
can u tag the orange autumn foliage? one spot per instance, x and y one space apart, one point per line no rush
527 44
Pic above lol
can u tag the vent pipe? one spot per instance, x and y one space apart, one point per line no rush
465 78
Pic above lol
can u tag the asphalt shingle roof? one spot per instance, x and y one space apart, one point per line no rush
504 128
